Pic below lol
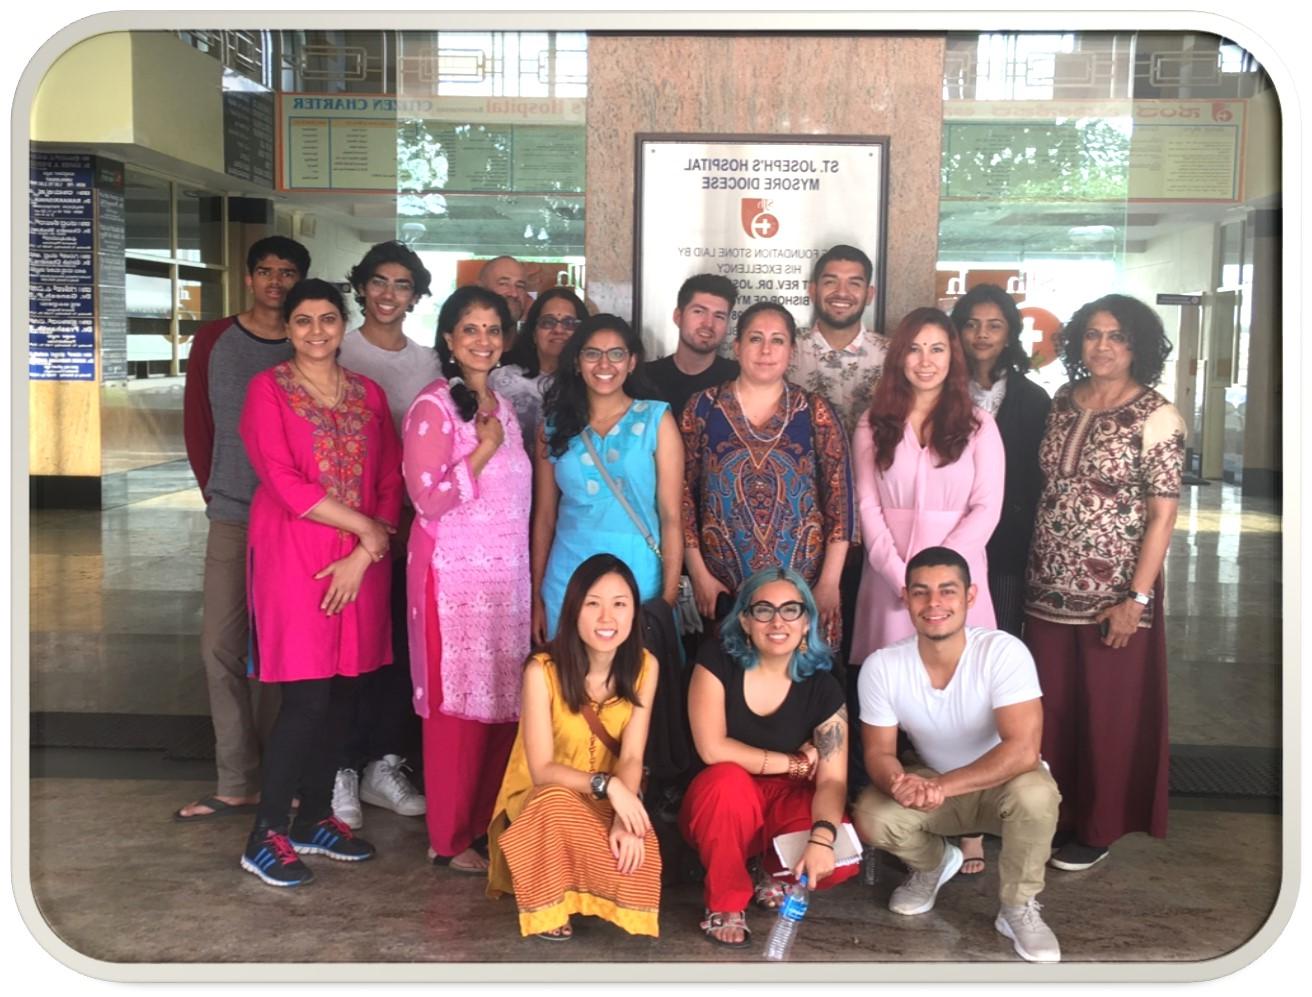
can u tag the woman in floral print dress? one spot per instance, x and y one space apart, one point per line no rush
1111 457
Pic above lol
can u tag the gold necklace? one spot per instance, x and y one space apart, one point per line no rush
316 392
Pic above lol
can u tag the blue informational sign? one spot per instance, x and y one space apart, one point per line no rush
61 334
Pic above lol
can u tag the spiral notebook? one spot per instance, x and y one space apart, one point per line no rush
789 848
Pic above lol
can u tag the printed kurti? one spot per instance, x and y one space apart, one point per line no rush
471 535
917 504
761 497
1100 469
304 452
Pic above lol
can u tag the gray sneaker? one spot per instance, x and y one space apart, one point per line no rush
346 799
1034 940
916 895
385 785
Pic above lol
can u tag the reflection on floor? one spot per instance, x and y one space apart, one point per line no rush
115 615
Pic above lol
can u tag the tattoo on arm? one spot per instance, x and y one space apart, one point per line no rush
829 736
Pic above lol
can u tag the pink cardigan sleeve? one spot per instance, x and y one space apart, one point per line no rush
881 551
435 477
265 435
972 532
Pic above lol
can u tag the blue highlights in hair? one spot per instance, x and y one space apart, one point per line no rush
737 645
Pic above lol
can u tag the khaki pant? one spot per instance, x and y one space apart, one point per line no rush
1023 812
243 709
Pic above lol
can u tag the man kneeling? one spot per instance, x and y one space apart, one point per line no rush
968 698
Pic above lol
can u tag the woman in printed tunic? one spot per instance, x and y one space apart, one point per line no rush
1111 457
322 442
467 575
767 477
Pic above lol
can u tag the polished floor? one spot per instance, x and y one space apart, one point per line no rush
115 617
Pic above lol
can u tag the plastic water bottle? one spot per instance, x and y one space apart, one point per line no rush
784 932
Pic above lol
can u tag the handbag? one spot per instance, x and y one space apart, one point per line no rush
685 606
605 737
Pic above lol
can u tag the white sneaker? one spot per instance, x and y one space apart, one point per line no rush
1034 940
385 785
346 799
916 895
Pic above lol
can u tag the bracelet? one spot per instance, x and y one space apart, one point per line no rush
797 767
765 757
822 844
827 826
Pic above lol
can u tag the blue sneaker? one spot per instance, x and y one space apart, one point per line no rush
269 854
330 837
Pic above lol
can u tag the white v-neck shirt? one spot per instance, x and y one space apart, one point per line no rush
953 726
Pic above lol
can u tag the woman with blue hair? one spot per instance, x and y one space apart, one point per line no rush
770 723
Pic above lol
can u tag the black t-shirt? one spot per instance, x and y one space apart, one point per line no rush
809 703
676 387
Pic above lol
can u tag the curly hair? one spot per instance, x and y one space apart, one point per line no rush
1149 346
1013 356
818 656
565 405
525 351
390 252
953 420
453 310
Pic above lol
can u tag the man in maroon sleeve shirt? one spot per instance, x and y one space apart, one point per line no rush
224 356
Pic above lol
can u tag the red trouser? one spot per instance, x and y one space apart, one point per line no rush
730 816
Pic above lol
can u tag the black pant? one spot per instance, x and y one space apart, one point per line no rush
302 752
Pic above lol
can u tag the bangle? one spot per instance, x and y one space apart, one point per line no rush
827 826
765 757
797 766
822 844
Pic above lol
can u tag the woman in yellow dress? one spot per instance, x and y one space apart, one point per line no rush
569 832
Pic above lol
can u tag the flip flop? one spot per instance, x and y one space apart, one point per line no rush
562 934
445 862
217 807
983 865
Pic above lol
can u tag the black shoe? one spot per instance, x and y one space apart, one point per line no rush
270 855
1061 839
1076 857
330 837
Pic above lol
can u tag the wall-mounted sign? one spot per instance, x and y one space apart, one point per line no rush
61 336
1179 299
248 136
759 210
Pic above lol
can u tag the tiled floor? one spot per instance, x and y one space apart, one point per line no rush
115 614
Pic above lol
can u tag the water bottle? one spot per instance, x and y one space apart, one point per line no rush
784 932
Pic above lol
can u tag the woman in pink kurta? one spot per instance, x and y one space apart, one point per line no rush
467 576
322 443
921 498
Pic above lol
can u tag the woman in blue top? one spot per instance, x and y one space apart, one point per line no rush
597 398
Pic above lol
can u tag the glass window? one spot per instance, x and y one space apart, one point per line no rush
146 204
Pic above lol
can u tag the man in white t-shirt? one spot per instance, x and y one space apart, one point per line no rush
969 700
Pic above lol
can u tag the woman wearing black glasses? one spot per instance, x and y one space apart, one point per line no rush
608 474
527 370
769 721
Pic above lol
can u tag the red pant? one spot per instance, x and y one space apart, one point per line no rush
730 816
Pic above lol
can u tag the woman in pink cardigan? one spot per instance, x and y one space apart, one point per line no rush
467 575
929 472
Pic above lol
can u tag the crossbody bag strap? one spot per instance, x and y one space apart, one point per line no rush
619 495
602 734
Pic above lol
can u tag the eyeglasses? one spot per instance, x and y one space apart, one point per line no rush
549 322
616 354
764 612
380 284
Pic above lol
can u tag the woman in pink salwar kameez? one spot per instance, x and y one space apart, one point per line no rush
322 442
467 576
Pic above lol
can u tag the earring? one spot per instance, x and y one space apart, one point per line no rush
801 648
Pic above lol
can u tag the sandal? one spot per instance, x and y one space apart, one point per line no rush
445 862
561 934
715 920
973 865
769 894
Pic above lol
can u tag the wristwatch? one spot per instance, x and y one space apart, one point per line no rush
1142 598
600 781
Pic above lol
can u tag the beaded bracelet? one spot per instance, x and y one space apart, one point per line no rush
765 758
827 826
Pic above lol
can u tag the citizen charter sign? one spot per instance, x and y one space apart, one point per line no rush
756 209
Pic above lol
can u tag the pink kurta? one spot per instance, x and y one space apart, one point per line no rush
471 534
916 504
302 453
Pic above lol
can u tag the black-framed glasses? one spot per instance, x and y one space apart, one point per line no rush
567 322
764 612
616 354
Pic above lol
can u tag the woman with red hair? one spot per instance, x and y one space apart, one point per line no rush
929 472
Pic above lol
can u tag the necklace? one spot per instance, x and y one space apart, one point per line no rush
783 420
319 395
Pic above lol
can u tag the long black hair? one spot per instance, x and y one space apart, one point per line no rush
1013 355
525 351
569 652
1148 343
453 310
312 289
565 405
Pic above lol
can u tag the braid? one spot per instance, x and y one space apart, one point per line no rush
466 401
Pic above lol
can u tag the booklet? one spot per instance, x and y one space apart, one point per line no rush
789 848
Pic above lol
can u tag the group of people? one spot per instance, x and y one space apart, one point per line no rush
491 535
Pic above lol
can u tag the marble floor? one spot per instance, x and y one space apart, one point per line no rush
115 618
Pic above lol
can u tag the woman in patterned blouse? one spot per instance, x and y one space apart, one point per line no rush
1111 457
